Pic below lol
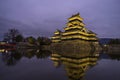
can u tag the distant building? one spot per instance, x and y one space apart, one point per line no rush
75 30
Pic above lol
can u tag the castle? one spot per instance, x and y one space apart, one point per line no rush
75 30
75 35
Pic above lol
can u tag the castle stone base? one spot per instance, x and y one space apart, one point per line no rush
75 45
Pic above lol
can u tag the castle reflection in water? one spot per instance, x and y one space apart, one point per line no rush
75 64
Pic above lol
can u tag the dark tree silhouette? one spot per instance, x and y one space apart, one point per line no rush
19 38
12 35
114 41
31 40
43 40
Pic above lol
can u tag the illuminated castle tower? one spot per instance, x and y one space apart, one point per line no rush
75 30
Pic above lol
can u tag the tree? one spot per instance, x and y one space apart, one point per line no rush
11 35
114 41
39 40
19 38
6 37
31 40
43 41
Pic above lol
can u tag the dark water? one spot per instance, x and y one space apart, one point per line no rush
53 65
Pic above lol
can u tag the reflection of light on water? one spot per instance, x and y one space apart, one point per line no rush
96 54
76 63
38 50
6 51
2 50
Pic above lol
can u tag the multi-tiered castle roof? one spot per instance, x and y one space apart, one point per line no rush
75 29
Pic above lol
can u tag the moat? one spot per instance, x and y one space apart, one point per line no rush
55 65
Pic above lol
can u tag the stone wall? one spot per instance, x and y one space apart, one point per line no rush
75 45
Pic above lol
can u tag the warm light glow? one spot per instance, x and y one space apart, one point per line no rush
56 41
82 24
73 23
55 37
57 33
80 32
2 50
53 58
76 17
80 37
74 27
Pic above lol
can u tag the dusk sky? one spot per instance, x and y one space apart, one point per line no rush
43 17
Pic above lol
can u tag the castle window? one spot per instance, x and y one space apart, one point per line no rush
75 24
70 26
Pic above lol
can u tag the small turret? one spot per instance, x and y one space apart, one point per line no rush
57 36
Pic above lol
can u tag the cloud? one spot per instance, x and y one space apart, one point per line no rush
34 17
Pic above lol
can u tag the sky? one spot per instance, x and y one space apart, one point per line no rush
43 17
